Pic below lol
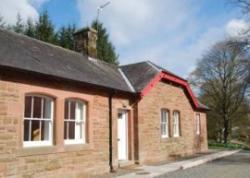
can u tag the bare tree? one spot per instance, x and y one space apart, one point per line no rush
2 24
243 4
223 77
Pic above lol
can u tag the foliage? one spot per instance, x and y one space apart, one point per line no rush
241 123
44 30
65 36
30 29
223 75
19 26
105 49
231 146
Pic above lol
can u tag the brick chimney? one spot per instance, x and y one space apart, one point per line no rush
85 41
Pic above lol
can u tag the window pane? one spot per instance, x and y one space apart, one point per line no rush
164 123
167 126
72 110
198 124
78 130
35 130
163 129
79 110
66 110
72 130
66 130
45 130
47 108
26 130
176 124
163 116
37 107
27 112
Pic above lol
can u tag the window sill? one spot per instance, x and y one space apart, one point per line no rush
28 151
170 139
74 142
31 151
165 138
37 144
77 147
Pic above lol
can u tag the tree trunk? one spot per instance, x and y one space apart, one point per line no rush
225 130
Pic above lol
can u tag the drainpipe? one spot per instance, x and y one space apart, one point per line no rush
110 133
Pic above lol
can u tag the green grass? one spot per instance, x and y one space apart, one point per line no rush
230 146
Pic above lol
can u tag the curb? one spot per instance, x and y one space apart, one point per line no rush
209 158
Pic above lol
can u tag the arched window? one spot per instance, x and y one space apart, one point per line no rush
38 120
74 121
176 124
164 123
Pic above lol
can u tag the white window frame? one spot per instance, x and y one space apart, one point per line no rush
198 124
165 123
82 139
45 142
176 124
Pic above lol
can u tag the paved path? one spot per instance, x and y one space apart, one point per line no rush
155 171
234 166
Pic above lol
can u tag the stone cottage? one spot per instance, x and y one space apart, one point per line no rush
67 114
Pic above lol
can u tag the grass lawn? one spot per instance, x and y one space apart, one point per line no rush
229 146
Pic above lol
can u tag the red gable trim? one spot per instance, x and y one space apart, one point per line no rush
171 78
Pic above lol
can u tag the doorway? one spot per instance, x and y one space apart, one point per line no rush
122 136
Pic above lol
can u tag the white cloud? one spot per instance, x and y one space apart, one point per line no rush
130 20
237 28
176 57
26 8
170 33
167 32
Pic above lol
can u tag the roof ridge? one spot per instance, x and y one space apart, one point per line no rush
102 61
145 61
162 69
154 66
126 80
40 41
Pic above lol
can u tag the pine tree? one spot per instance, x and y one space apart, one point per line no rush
105 49
19 26
65 36
30 29
45 29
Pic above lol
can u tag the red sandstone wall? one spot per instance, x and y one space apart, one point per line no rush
58 160
152 147
62 160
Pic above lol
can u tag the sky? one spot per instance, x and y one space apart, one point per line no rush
171 33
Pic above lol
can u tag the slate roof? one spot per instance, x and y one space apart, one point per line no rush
21 52
28 54
140 74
